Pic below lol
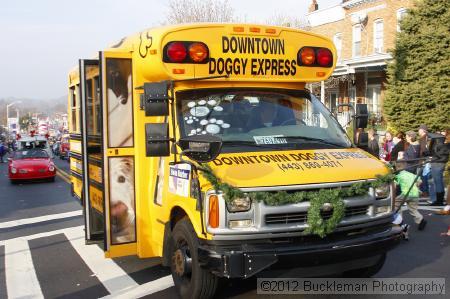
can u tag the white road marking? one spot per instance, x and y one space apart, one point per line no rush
113 277
144 289
21 279
20 269
20 222
40 235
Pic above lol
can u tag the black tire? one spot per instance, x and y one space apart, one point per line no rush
368 271
200 283
52 179
13 182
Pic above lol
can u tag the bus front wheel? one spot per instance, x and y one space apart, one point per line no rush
191 280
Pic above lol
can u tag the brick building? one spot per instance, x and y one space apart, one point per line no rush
363 32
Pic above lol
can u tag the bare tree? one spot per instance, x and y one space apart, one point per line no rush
288 21
191 11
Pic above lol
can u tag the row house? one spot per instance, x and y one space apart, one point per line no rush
363 32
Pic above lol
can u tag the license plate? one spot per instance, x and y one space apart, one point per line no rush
23 171
41 170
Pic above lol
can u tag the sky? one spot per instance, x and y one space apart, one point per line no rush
40 41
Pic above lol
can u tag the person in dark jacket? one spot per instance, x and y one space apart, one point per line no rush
388 145
446 209
423 140
412 152
400 145
439 150
3 151
373 147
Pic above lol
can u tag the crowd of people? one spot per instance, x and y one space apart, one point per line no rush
420 160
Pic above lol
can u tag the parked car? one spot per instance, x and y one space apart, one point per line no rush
55 148
30 164
64 148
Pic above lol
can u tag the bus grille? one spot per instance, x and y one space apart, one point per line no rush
302 217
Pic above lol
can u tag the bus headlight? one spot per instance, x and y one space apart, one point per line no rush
51 168
239 205
13 170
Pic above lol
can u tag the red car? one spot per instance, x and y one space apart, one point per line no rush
30 164
64 149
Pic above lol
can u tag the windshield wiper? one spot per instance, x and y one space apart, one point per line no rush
312 139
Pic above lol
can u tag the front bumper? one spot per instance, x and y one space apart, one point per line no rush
32 175
244 259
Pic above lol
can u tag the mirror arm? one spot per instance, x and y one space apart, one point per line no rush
172 111
183 161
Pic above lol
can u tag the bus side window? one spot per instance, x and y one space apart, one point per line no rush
98 119
75 108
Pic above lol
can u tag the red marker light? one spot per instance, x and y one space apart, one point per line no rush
176 52
324 57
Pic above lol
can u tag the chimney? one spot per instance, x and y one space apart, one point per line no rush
313 6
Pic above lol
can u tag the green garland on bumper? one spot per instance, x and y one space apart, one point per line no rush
316 224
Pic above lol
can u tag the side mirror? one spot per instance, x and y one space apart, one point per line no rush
155 99
201 148
361 116
157 140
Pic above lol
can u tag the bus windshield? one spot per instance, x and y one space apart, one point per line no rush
274 118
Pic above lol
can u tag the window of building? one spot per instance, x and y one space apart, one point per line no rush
356 41
400 15
352 96
378 35
373 99
332 101
338 44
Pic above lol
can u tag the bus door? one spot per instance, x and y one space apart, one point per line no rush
118 158
91 115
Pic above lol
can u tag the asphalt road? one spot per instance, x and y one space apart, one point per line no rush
43 254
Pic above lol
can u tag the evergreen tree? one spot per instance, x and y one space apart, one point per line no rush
419 76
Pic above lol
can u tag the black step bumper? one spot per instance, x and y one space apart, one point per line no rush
243 259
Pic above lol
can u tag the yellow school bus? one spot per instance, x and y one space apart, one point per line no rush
199 144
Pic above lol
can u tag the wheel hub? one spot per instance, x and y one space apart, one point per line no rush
181 262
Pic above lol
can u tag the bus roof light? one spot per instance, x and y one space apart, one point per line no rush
198 52
307 56
271 30
176 52
238 29
324 57
178 71
255 29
